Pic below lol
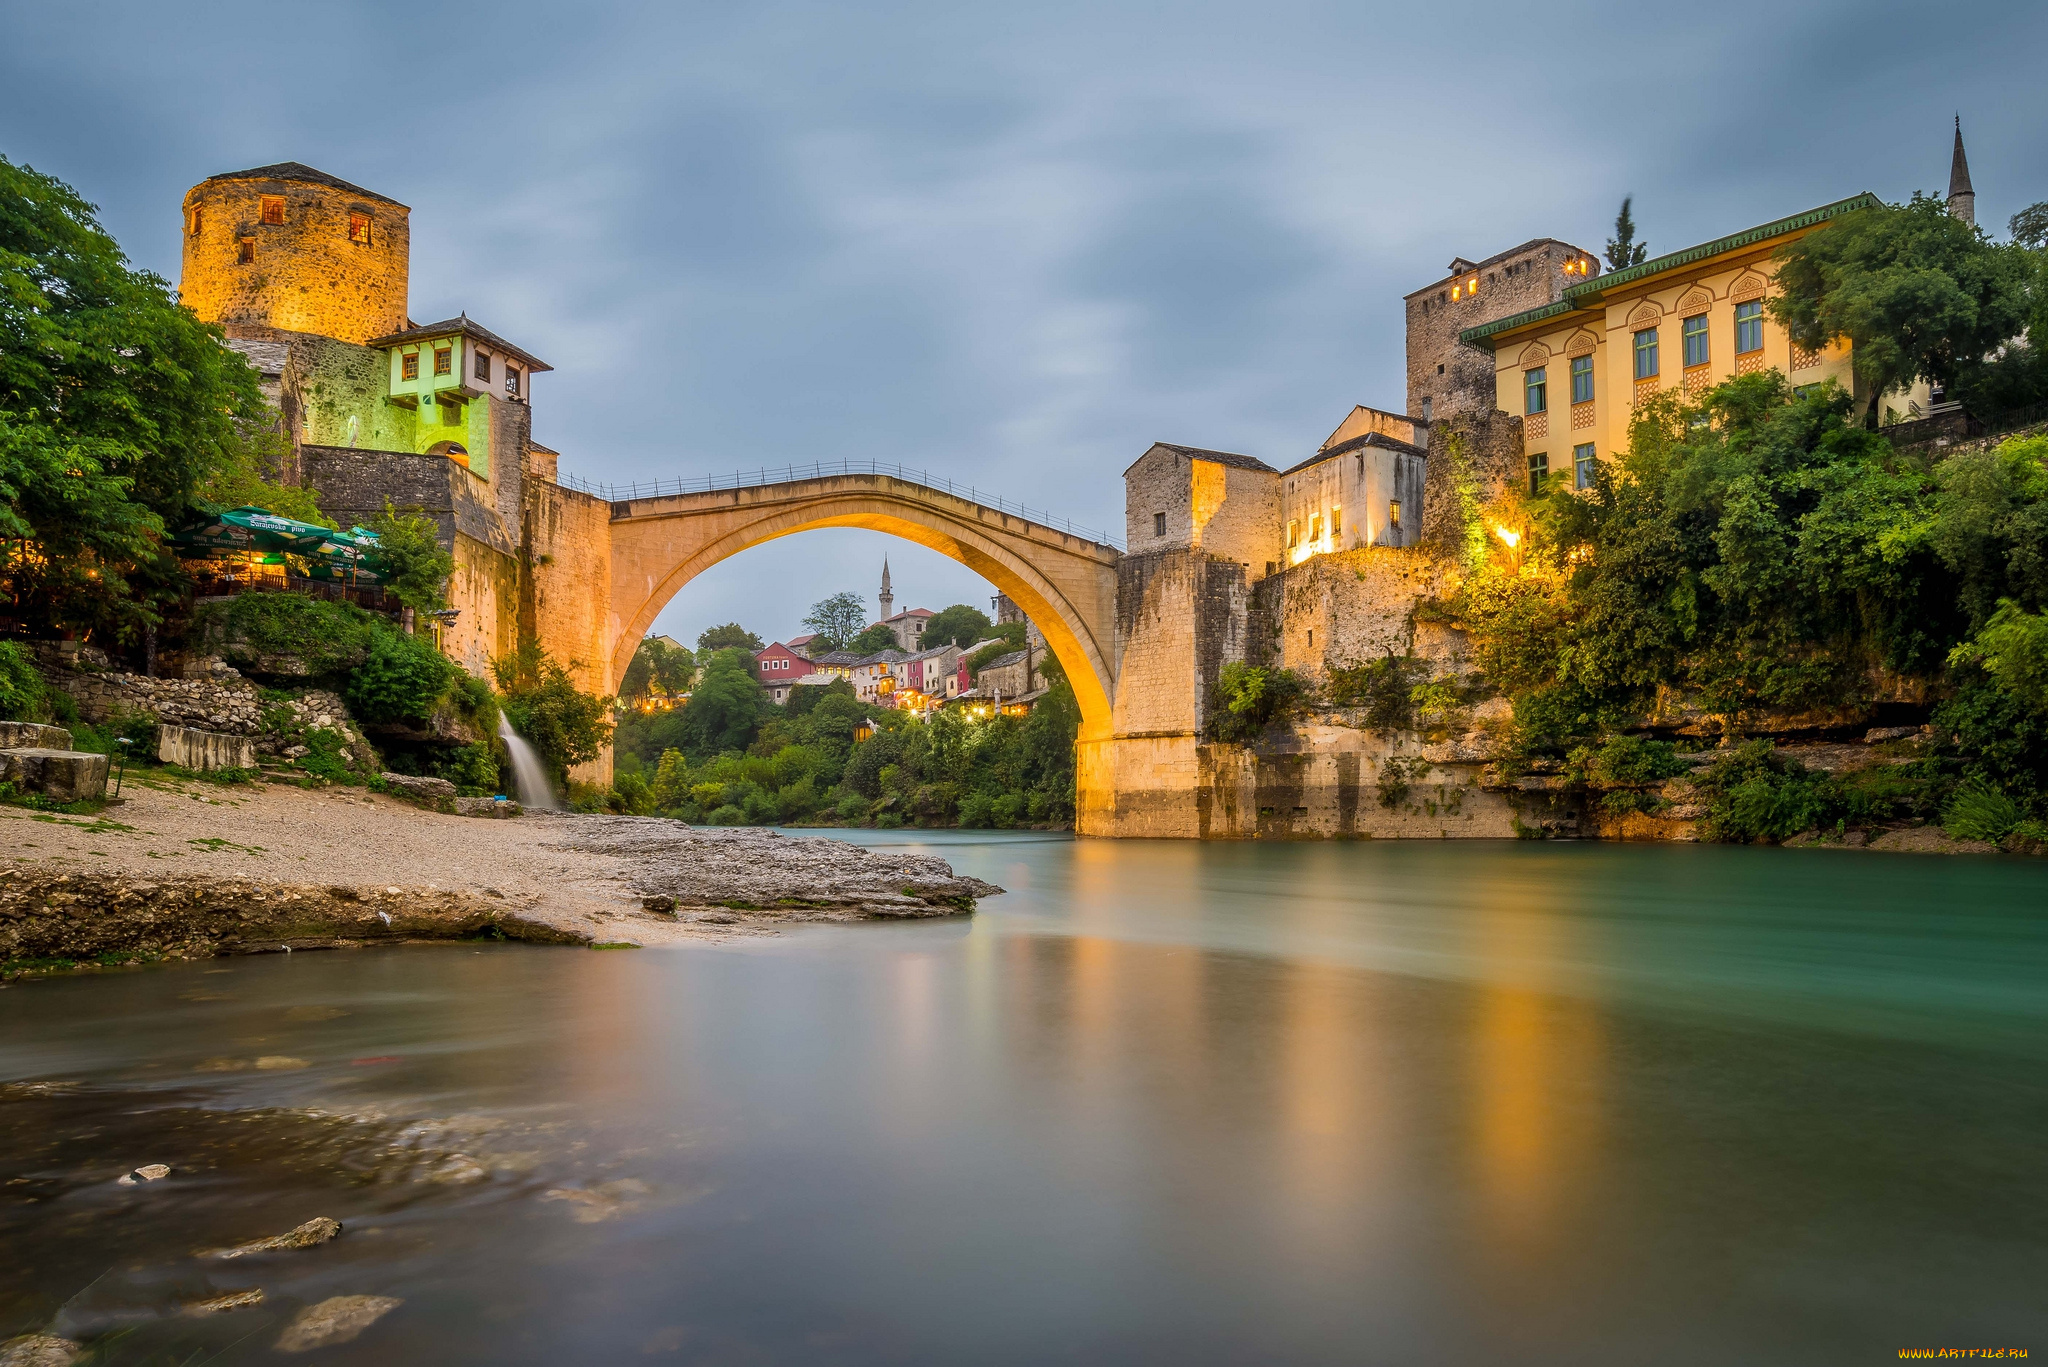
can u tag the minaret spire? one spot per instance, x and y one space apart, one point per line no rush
886 598
1962 200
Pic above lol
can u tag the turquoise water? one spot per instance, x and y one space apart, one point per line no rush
1416 1103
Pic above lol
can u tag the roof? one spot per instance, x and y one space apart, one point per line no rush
269 358
466 327
1220 457
1013 658
1959 166
882 657
298 170
1470 266
908 612
1356 444
839 657
533 445
935 650
774 645
1589 294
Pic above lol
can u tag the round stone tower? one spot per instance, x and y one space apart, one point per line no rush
291 248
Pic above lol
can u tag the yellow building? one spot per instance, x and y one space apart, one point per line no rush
1575 369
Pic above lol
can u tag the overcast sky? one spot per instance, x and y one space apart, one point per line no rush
1016 244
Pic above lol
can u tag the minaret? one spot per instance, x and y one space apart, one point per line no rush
886 598
1962 200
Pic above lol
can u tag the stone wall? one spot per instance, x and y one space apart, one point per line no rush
1482 450
1350 608
565 591
1455 378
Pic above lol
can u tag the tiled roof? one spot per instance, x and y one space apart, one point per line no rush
1357 443
1220 457
298 170
1495 260
466 327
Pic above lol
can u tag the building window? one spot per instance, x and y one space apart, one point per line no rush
192 224
483 366
512 381
1293 534
444 360
359 228
1159 524
1584 466
1336 523
1394 513
1582 379
1425 405
409 366
1646 354
1749 327
247 252
1693 331
1315 529
273 209
1539 470
1535 392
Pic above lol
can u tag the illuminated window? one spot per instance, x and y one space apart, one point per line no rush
1539 470
1646 354
1693 331
247 252
1159 524
1584 465
1293 534
1336 523
359 228
409 366
1535 391
1394 513
1315 528
483 366
273 209
1582 379
1749 327
444 360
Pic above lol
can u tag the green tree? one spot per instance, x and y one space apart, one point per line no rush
565 724
876 637
116 407
1623 250
836 620
2030 227
726 707
1918 293
958 625
731 636
658 670
409 542
400 679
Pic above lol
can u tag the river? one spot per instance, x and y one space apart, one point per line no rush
1454 1103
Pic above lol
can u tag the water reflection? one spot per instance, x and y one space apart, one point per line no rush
1162 1102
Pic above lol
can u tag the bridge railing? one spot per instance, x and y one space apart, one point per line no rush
787 474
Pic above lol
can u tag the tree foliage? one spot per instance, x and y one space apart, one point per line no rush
836 620
1918 293
958 625
726 707
1623 250
400 679
659 670
409 542
731 636
118 408
565 724
874 638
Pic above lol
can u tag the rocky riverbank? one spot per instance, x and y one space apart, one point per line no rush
191 870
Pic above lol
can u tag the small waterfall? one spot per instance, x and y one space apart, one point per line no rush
529 775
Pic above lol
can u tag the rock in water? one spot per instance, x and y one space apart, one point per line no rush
220 1305
312 1233
334 1320
39 1350
148 1172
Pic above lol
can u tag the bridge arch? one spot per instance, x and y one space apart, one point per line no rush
1066 584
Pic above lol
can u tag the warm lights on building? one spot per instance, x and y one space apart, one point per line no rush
1466 288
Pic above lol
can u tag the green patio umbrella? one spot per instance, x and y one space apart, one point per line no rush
251 529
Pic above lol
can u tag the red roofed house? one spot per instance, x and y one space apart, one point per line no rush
778 668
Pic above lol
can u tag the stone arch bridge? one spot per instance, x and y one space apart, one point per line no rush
610 558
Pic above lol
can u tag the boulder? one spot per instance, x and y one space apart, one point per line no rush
311 1234
196 749
60 775
334 1320
427 789
28 735
485 806
39 1350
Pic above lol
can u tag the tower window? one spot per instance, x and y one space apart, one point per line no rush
246 253
1646 354
1394 513
483 366
1539 470
359 228
192 223
409 366
1749 327
1584 465
1336 523
1439 367
512 381
1694 333
1159 524
444 360
1315 528
1582 379
1535 391
1293 534
273 209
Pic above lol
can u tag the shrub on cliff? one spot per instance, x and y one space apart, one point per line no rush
288 634
400 679
23 696
1249 698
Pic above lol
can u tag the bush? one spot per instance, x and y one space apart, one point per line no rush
566 725
1758 795
473 769
23 696
1385 688
1249 698
251 630
727 815
400 679
1977 812
1635 761
852 808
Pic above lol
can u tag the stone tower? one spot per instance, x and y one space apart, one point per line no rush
885 598
1962 200
1447 378
288 248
